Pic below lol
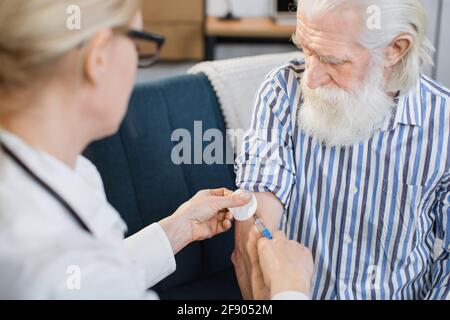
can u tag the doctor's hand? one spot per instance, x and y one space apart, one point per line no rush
204 216
285 265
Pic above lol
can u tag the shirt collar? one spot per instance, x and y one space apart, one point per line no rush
407 111
81 188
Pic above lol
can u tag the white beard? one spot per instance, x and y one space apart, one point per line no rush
336 117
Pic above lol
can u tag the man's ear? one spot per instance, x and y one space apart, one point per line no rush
96 56
398 49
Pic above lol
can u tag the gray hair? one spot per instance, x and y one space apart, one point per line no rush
397 17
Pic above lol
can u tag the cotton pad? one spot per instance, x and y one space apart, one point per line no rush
246 212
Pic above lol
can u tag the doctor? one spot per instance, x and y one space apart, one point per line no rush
60 89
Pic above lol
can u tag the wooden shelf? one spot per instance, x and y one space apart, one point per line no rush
248 28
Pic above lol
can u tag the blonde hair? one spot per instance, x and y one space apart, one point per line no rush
35 33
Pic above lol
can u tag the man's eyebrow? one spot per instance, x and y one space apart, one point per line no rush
326 59
332 60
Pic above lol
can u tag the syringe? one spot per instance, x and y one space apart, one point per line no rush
263 229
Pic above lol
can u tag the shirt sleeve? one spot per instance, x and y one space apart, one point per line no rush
151 250
291 295
266 160
441 266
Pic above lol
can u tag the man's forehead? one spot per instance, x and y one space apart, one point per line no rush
334 30
346 19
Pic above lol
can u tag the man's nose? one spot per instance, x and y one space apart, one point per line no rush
316 75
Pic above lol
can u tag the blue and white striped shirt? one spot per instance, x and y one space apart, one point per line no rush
371 213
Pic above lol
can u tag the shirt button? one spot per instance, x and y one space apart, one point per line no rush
353 190
347 239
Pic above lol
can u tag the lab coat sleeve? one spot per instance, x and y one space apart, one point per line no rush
151 250
290 295
79 268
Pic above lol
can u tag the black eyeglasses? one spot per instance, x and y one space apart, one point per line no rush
148 46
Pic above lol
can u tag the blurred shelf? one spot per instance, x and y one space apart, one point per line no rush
248 27
244 30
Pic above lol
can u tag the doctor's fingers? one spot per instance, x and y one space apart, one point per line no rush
225 214
266 245
226 225
224 221
234 201
222 192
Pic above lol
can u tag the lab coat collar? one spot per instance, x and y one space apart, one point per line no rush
81 188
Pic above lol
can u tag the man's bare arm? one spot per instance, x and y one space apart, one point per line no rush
269 210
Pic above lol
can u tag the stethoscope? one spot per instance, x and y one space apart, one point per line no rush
46 187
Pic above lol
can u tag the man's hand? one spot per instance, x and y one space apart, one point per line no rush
204 216
285 265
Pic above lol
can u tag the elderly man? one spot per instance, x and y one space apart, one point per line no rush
349 154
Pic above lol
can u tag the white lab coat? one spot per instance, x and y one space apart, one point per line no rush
45 254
